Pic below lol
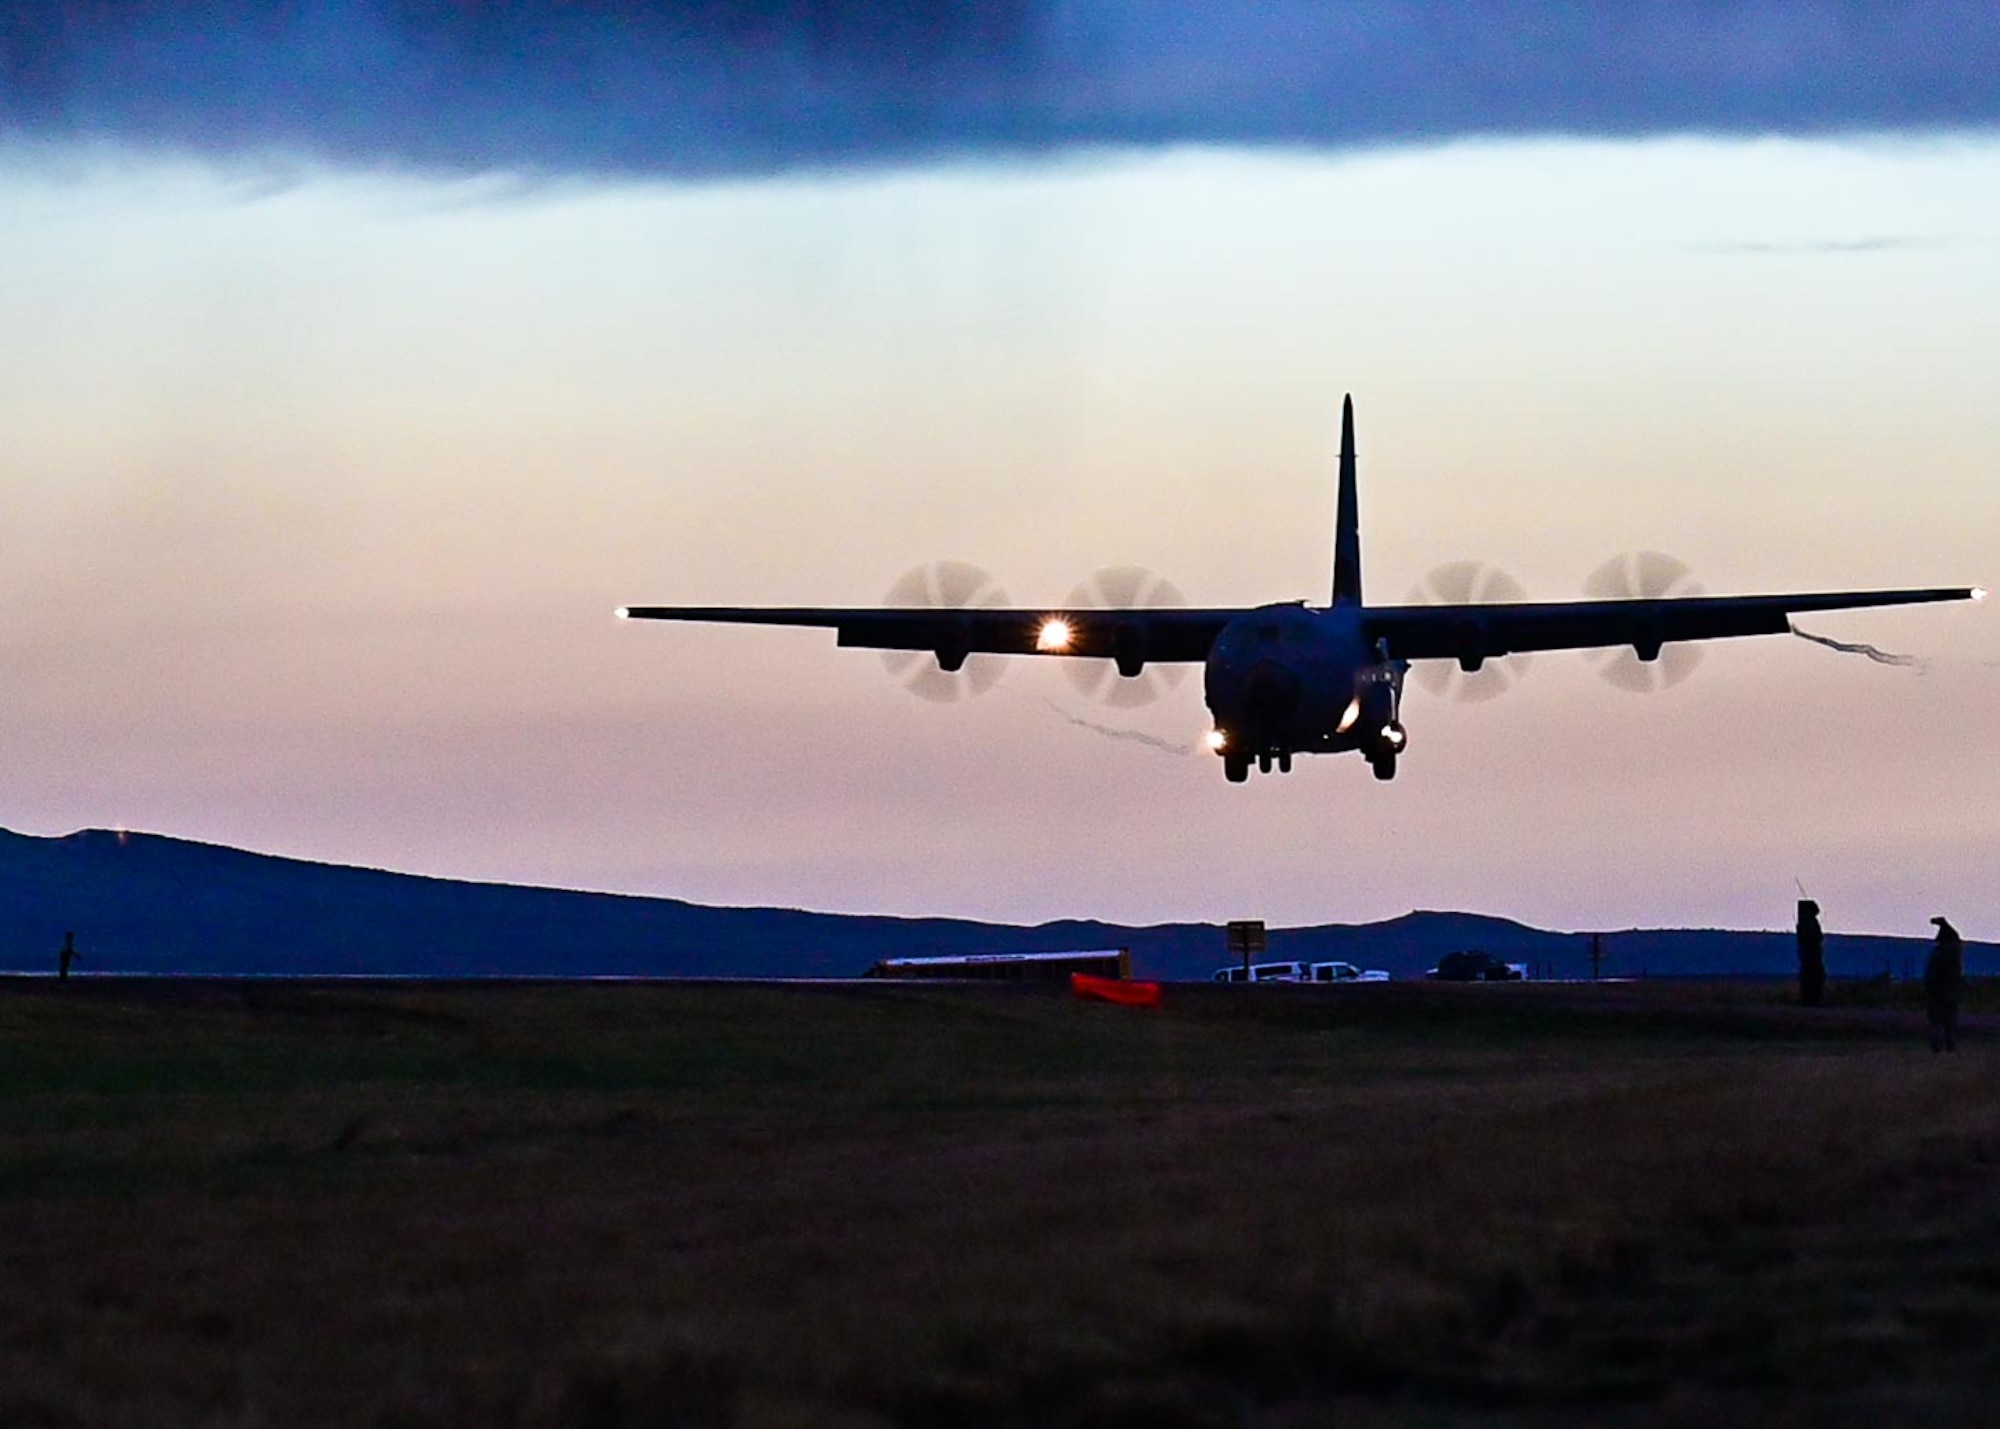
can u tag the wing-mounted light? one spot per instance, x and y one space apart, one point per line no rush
1126 680
1478 673
1647 664
949 672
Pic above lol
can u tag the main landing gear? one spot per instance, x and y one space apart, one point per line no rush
1381 755
1236 767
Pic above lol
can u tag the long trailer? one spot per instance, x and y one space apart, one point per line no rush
1011 967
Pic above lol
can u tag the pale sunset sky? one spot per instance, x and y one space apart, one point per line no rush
357 366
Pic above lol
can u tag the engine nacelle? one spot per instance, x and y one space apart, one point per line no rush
1128 648
954 644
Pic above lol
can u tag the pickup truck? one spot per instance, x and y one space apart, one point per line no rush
1346 972
1476 966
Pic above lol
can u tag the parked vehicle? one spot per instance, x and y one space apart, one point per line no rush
1475 966
1264 972
1346 972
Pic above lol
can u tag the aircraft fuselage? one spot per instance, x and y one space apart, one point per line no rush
1288 679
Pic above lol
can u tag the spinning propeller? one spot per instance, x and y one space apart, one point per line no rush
1469 583
945 585
1643 575
1124 588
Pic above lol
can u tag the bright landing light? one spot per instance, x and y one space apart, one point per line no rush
1979 592
1055 634
1215 739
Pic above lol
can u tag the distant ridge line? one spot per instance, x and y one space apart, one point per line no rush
153 903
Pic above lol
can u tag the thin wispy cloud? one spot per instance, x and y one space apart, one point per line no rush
1828 247
717 87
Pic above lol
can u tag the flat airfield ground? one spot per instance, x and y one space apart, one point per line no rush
740 1204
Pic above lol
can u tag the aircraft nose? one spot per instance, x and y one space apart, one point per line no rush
1270 694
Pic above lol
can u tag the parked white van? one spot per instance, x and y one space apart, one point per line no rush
1265 972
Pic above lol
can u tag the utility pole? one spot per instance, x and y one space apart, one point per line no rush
1596 955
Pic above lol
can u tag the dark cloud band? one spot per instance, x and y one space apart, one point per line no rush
733 86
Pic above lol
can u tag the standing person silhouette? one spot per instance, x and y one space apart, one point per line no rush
1944 979
1812 955
67 956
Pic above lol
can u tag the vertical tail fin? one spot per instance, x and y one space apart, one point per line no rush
1347 520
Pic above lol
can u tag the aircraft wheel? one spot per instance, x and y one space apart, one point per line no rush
1236 767
1285 762
1384 766
1264 763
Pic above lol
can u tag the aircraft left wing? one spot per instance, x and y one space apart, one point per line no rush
1139 634
1470 633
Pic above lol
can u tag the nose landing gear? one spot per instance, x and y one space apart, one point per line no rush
1382 758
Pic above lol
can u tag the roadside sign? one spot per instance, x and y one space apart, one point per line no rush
1246 941
1247 936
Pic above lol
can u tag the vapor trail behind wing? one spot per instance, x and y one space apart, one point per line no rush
1858 647
1136 736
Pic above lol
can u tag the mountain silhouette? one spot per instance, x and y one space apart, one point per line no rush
147 903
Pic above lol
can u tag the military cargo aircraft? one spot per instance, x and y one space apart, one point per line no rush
1292 678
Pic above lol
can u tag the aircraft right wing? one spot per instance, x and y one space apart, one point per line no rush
1470 633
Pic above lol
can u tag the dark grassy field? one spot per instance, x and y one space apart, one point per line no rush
710 1205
